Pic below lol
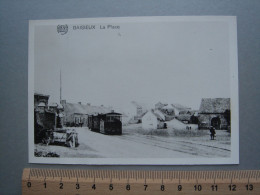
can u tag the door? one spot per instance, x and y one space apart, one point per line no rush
215 122
102 126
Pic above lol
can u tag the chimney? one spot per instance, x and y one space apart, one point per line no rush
79 103
89 104
102 105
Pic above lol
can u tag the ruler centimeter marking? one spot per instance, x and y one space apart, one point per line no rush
101 182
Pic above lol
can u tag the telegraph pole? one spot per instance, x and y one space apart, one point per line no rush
60 87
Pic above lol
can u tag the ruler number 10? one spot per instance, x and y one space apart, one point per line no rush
197 187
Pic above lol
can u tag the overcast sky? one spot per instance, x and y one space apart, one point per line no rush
172 62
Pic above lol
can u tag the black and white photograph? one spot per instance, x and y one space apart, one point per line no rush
135 90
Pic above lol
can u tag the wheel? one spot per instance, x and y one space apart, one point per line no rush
46 141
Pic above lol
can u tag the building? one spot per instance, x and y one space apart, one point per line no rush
214 112
179 109
162 116
41 100
134 112
159 105
152 120
76 114
140 109
185 118
168 109
46 117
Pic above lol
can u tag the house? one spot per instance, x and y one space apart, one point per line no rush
169 110
41 100
188 116
134 112
159 105
158 112
140 109
214 112
185 118
180 109
55 107
76 114
152 120
45 116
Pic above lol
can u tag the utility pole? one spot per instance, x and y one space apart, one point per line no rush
60 87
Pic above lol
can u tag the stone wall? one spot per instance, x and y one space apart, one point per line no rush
207 118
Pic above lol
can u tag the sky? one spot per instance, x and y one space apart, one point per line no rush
172 62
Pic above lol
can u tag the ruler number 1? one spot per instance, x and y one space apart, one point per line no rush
145 187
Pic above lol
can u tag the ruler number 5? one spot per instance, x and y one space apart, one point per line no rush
111 187
249 187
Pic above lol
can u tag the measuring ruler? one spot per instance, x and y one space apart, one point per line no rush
103 182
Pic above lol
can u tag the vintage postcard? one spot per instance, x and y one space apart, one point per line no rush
134 91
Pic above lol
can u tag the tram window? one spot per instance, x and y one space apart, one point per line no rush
109 119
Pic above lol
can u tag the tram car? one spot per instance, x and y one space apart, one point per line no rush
109 123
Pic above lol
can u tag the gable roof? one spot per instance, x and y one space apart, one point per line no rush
41 104
160 104
155 114
71 108
184 117
214 105
40 94
180 107
168 107
161 115
56 105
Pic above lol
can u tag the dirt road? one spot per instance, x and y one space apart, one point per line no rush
135 145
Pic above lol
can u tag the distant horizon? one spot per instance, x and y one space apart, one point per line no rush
150 106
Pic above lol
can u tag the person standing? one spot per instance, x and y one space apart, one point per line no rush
212 132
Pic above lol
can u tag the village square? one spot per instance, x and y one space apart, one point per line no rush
84 130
